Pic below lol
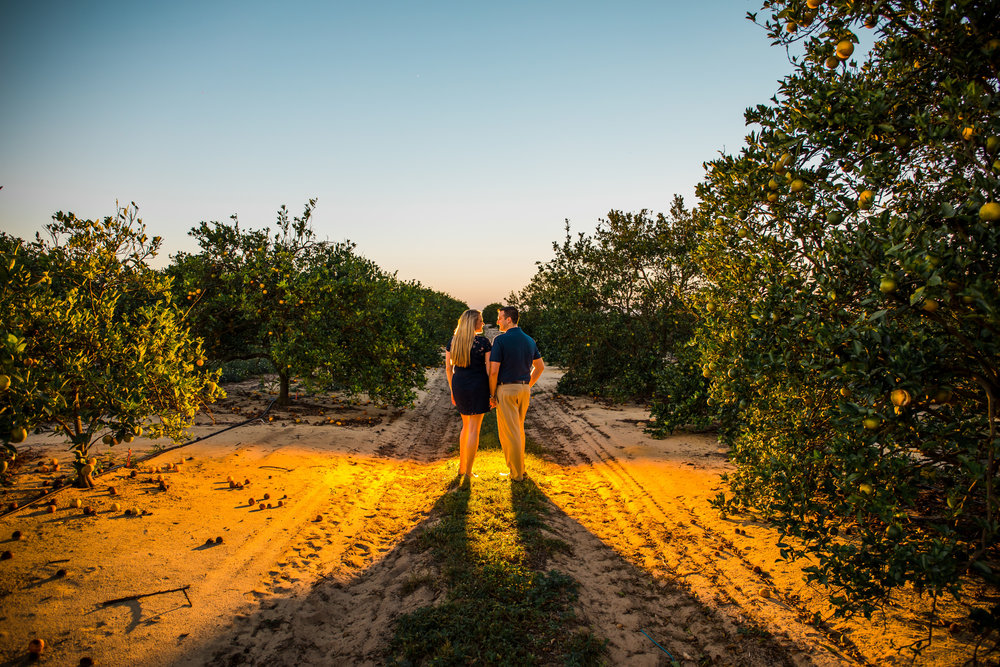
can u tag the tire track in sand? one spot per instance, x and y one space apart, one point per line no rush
426 431
334 592
646 521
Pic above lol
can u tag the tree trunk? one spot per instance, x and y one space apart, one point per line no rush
283 391
81 443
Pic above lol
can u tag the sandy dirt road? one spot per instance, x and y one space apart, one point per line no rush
321 579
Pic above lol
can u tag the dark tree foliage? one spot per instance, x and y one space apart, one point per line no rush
317 310
851 310
92 340
490 312
610 308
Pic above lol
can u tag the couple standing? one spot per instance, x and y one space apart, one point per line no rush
483 376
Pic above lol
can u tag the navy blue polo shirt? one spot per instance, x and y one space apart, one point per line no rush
514 350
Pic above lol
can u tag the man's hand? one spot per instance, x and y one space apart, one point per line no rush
494 369
537 368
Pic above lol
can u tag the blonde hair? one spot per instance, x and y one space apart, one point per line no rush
461 341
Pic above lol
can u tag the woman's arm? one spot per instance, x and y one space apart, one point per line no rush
447 373
492 381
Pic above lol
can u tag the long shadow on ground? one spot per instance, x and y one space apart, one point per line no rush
469 585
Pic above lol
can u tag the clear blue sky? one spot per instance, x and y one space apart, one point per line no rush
449 140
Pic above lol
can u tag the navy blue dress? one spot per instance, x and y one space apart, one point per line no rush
471 385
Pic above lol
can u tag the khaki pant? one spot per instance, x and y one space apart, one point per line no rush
512 400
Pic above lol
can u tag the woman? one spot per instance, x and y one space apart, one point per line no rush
466 358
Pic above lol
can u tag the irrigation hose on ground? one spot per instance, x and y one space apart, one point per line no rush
672 659
28 504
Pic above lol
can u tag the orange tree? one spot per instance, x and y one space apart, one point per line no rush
490 313
92 340
317 310
850 310
609 306
438 314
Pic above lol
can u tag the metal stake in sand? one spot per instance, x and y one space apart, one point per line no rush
182 589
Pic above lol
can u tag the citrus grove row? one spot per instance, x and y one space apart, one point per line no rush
103 348
832 304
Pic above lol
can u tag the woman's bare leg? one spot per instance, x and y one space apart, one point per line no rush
469 444
463 445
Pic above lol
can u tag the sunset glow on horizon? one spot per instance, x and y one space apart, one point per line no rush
450 142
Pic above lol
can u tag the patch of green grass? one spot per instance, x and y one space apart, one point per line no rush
488 438
502 606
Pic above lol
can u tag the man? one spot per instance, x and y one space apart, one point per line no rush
515 366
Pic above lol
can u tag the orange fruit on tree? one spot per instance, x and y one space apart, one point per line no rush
866 199
814 4
989 212
798 185
845 48
900 398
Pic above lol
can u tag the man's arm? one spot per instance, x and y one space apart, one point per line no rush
494 373
537 368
